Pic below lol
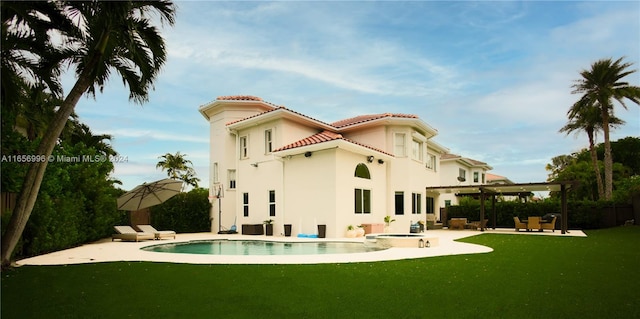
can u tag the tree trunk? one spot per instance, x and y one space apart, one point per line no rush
608 160
31 185
596 167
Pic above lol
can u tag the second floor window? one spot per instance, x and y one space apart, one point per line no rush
476 177
416 150
462 175
431 162
244 147
399 145
268 141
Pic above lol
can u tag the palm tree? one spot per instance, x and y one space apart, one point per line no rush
114 36
588 118
599 86
178 167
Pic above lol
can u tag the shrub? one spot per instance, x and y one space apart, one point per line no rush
184 213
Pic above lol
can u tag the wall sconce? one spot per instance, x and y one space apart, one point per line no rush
380 161
370 159
307 154
254 164
421 243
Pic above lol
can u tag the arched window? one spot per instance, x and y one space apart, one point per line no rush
362 171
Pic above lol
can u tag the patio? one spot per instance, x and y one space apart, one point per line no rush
107 251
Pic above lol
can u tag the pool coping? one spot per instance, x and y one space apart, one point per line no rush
106 250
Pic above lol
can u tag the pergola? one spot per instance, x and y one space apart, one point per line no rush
508 190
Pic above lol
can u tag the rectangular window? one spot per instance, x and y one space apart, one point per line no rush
362 201
483 178
399 203
215 173
231 175
245 204
244 147
416 150
268 142
431 205
416 203
399 145
447 202
462 175
272 203
476 177
431 162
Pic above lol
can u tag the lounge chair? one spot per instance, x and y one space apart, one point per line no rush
158 233
550 225
130 234
519 224
533 223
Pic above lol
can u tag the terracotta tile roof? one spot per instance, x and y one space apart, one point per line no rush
238 98
277 108
455 156
370 117
324 136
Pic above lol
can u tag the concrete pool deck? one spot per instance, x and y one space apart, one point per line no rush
107 251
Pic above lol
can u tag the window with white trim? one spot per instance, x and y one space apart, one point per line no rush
399 203
215 173
399 145
268 141
416 150
431 162
416 203
476 177
362 201
231 176
244 147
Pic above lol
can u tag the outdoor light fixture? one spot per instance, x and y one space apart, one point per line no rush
370 159
380 161
421 243
307 154
254 164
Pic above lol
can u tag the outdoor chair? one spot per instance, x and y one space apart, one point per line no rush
158 233
533 223
550 225
130 234
519 224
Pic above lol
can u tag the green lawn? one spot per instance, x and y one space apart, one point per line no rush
525 277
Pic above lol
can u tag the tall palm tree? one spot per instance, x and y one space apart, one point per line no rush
178 167
114 36
600 86
588 118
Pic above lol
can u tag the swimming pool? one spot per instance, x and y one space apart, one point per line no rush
260 247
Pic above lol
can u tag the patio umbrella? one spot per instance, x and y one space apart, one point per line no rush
149 194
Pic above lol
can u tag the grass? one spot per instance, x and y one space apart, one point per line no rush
525 277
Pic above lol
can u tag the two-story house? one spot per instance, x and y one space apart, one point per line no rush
457 170
270 162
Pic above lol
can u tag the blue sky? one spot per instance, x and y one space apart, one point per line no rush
494 78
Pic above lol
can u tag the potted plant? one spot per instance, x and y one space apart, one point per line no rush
268 227
387 223
351 232
421 223
360 231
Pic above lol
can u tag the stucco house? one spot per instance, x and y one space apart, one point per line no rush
457 170
270 162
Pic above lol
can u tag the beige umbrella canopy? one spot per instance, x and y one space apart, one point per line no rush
149 194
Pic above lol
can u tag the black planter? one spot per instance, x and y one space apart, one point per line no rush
322 231
269 229
287 230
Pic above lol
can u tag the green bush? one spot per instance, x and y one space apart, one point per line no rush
582 214
184 213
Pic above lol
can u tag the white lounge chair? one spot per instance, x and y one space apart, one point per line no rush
128 233
159 234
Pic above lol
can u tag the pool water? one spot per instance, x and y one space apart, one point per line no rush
260 247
